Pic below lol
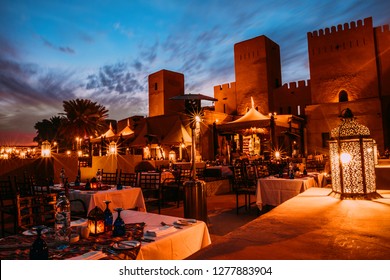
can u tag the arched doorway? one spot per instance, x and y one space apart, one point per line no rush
343 96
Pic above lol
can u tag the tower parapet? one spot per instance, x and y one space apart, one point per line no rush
343 59
352 26
227 100
291 98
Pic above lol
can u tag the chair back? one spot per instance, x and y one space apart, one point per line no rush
261 171
109 178
200 172
250 174
185 175
150 184
7 191
148 180
36 210
24 186
128 178
238 176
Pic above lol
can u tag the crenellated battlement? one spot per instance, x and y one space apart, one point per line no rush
296 85
383 29
346 27
226 86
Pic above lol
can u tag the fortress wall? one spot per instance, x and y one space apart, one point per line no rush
382 37
343 58
226 95
292 98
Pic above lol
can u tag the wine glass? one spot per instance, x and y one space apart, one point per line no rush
119 224
39 249
108 218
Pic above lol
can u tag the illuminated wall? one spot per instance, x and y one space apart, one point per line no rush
163 85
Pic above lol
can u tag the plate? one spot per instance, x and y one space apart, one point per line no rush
126 245
31 232
181 223
79 222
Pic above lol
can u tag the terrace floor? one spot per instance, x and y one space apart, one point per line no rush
310 226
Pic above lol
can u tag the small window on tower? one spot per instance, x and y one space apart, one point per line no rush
155 86
343 96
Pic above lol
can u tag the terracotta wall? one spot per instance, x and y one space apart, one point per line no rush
323 118
163 85
227 100
288 97
343 58
40 168
258 71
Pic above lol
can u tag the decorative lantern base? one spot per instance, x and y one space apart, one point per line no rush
356 196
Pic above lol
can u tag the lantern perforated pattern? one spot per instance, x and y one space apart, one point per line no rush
352 162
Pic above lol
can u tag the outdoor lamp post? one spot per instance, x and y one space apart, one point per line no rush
352 160
195 205
46 149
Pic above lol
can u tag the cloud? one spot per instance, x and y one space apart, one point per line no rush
123 30
8 50
149 53
115 78
61 49
29 93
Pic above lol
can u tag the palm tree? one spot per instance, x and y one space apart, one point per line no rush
84 118
48 129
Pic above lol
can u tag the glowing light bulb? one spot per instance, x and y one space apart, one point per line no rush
345 158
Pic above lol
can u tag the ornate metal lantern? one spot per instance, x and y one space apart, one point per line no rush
46 149
352 160
96 221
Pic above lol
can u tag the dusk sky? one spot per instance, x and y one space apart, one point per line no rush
55 50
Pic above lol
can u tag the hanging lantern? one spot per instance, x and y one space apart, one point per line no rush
352 160
96 221
46 149
112 148
172 156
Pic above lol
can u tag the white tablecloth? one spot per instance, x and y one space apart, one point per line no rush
126 198
176 245
274 191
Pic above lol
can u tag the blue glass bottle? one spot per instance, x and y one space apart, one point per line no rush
108 217
119 224
119 186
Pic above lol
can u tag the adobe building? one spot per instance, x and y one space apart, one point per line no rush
349 68
164 85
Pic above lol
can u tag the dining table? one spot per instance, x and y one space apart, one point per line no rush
126 198
164 238
273 190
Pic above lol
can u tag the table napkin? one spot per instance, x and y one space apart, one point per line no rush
79 222
92 255
160 231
